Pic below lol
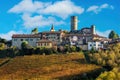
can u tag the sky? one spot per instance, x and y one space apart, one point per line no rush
21 16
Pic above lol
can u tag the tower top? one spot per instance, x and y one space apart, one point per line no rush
93 25
74 23
93 29
52 28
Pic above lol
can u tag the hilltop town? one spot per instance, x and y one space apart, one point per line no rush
60 40
85 38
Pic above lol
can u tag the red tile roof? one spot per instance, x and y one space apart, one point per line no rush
85 35
44 41
51 32
26 36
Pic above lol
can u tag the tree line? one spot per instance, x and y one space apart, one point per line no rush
26 49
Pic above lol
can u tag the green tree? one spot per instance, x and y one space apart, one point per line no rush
24 45
3 40
92 50
34 31
67 48
2 46
113 35
26 49
117 35
73 49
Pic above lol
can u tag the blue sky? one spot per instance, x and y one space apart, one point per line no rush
21 16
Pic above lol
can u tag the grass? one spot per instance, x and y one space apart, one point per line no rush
40 67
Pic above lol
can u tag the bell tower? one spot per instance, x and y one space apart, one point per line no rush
52 28
93 29
74 23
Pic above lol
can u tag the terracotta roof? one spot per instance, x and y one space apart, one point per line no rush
106 39
44 41
26 36
96 35
101 40
85 35
51 32
95 40
81 35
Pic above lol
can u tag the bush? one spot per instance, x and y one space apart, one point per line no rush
10 52
107 58
38 50
111 75
2 46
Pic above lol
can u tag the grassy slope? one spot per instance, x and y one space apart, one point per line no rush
45 67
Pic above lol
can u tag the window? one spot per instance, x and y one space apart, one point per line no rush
37 39
90 44
94 44
27 39
39 44
45 44
31 39
21 39
15 39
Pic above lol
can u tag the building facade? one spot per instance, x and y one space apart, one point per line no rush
17 39
33 39
44 43
96 44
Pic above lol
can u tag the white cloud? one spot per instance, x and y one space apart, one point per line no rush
93 8
96 9
104 6
37 13
62 9
9 34
104 33
39 21
112 7
28 6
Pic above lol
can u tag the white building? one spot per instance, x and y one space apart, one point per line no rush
17 39
96 44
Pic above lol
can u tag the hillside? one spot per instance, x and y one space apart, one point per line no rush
45 67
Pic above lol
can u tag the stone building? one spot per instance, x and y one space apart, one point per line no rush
52 35
81 37
34 39
44 43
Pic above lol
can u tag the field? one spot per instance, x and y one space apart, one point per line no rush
44 67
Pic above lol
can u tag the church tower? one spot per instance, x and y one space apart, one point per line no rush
52 28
